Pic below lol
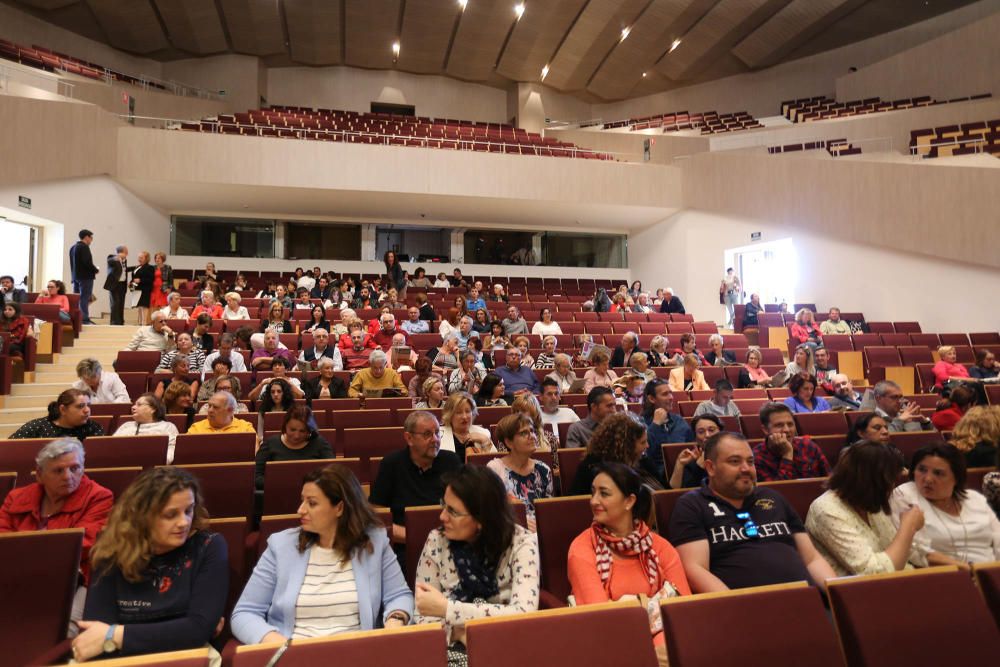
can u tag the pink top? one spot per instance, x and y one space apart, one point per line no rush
944 370
60 300
757 374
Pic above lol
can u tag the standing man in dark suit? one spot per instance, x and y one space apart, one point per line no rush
83 271
117 283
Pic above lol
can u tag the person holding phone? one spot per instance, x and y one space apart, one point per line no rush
689 469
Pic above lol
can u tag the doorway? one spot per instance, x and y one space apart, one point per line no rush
769 269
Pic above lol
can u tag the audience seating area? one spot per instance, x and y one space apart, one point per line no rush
835 147
391 130
809 109
710 122
965 139
51 61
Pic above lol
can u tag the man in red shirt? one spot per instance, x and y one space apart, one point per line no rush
356 357
383 337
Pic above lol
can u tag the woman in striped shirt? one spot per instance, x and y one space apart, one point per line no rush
331 575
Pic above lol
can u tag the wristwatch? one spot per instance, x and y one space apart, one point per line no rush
109 640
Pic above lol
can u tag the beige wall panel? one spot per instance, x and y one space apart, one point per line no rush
235 74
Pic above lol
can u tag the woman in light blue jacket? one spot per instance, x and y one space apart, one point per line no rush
331 575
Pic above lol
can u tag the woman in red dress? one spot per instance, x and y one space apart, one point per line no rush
162 282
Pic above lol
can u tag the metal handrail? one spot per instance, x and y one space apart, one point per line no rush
978 142
382 138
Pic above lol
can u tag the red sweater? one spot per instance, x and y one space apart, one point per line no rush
945 420
86 508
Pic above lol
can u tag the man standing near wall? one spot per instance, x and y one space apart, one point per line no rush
116 283
83 271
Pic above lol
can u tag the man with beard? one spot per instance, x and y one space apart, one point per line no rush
731 534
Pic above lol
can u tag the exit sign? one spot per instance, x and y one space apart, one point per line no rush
24 202
755 236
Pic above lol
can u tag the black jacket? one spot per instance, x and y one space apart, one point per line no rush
672 306
81 262
115 271
618 356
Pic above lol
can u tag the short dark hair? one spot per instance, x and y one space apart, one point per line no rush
650 392
865 476
204 318
709 417
485 499
280 361
955 459
799 379
595 395
630 484
225 361
84 233
711 447
549 382
770 409
723 385
854 434
10 278
486 387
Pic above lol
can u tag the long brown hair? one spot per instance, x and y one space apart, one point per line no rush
125 540
338 484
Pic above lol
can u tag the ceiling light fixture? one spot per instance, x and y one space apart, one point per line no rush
625 31
545 72
395 51
463 3
643 75
674 45
519 10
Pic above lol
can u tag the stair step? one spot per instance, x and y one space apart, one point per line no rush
40 388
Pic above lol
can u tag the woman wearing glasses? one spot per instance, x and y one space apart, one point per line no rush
689 469
524 478
852 523
333 574
479 563
620 555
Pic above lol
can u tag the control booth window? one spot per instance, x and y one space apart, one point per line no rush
221 237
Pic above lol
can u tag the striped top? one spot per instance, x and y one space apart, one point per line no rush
328 600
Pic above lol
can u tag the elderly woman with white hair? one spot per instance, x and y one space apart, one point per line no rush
233 309
658 353
547 357
103 386
208 305
61 497
563 372
173 310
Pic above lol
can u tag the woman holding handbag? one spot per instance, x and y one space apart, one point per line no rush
163 280
142 282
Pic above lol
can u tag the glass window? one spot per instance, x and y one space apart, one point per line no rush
221 237
319 240
604 251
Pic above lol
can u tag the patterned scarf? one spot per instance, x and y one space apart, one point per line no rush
637 543
476 579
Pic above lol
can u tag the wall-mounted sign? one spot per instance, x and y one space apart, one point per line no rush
24 202
755 236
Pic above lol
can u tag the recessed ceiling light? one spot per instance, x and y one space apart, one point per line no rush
519 10
463 3
643 75
395 48
625 31
674 44
545 72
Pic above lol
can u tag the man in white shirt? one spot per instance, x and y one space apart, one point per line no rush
415 325
226 342
309 358
102 387
721 404
554 414
157 336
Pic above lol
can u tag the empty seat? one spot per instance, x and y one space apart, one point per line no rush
799 492
283 483
144 451
214 447
933 616
115 480
821 423
988 576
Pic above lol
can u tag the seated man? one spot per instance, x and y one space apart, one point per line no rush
824 371
413 476
264 357
662 424
886 398
357 356
387 329
844 396
415 325
309 357
401 355
474 302
377 379
102 386
671 303
157 336
514 324
721 404
517 378
227 344
784 455
601 405
552 413
221 408
834 325
465 332
730 533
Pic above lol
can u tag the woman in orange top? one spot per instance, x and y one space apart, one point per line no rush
55 292
620 555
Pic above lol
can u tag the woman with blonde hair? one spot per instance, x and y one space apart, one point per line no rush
752 374
527 404
977 435
688 377
947 369
619 439
522 343
804 329
433 392
233 309
159 577
458 433
658 354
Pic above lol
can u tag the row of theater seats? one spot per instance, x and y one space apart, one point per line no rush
835 147
710 122
43 58
693 638
964 139
391 130
821 107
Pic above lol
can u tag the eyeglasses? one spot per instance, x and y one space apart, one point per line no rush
453 513
426 435
749 527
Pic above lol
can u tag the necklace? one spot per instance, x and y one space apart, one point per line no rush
965 532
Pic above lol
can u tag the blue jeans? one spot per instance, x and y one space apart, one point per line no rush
85 288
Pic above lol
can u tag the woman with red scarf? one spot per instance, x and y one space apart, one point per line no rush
620 555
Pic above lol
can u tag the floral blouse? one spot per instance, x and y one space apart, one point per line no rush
991 489
517 578
526 488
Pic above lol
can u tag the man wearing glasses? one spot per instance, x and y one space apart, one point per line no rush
731 534
412 476
887 399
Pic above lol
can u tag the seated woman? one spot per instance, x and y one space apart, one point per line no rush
619 555
55 292
160 577
498 338
563 373
952 409
326 384
449 323
851 523
804 398
149 418
185 348
718 356
689 469
415 386
173 309
801 363
619 439
601 374
491 392
221 368
479 563
947 369
208 305
639 366
522 343
335 573
445 357
177 399
277 397
458 433
317 320
276 321
547 357
987 367
658 354
959 526
977 435
233 309
469 375
524 478
688 377
868 428
804 330
433 394
180 369
752 375
545 326
527 404
17 327
687 346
